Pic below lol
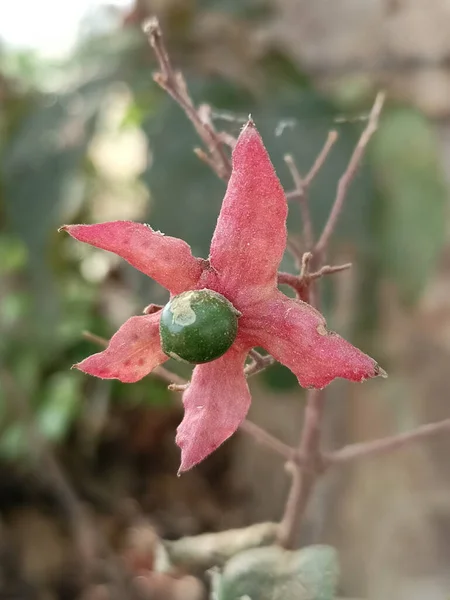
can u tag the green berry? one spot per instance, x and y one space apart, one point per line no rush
198 326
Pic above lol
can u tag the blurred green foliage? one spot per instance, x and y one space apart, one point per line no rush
53 114
272 573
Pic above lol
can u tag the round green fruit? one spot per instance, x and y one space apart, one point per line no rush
198 326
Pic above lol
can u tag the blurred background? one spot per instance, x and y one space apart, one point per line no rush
87 136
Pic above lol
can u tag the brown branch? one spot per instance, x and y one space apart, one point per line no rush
329 270
388 444
347 177
266 439
306 471
301 283
174 84
301 185
260 363
321 158
300 192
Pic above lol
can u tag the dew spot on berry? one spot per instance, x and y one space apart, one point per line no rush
182 310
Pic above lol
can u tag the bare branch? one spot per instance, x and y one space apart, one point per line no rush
302 283
305 473
174 84
266 439
300 190
293 246
329 270
260 363
321 158
384 445
347 177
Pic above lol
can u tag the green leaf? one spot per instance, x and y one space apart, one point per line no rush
198 553
413 194
273 573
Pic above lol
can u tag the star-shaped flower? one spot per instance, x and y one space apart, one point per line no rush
246 250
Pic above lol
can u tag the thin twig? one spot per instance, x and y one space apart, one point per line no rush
329 270
293 246
174 84
347 177
395 442
301 283
321 158
300 192
301 185
266 439
258 366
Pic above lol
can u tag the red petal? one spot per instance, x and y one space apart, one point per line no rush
166 259
250 235
132 353
295 334
215 404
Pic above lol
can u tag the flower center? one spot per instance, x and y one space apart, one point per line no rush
198 326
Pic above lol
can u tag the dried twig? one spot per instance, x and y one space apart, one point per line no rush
347 177
263 437
354 452
174 84
302 283
301 185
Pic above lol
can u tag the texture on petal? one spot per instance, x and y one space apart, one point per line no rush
250 235
165 259
132 353
296 336
215 404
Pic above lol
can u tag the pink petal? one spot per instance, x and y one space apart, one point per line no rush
250 235
215 404
296 336
166 259
132 353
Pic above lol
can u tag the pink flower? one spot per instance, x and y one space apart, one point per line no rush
246 250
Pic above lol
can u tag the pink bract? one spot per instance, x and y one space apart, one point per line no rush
246 250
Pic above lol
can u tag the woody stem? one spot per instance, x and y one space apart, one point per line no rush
306 471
